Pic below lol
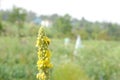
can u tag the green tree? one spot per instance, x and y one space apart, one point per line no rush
63 25
17 14
114 31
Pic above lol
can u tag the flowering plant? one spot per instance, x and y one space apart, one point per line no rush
43 62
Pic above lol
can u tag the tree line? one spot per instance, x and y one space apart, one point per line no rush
63 26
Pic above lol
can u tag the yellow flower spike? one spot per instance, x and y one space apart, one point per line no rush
43 62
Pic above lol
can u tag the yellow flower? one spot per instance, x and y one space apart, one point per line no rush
47 40
40 64
38 43
41 76
47 63
39 52
47 54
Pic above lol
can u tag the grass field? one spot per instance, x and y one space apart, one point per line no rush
97 60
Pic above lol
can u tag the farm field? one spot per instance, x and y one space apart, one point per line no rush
97 60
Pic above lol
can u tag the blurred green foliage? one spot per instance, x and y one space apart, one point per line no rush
97 60
17 15
1 26
61 26
69 71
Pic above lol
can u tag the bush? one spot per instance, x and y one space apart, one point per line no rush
69 71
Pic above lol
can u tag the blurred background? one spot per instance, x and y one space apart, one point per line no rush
85 38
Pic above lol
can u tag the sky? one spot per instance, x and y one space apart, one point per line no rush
92 10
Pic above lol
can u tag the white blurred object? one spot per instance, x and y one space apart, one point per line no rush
46 23
78 44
